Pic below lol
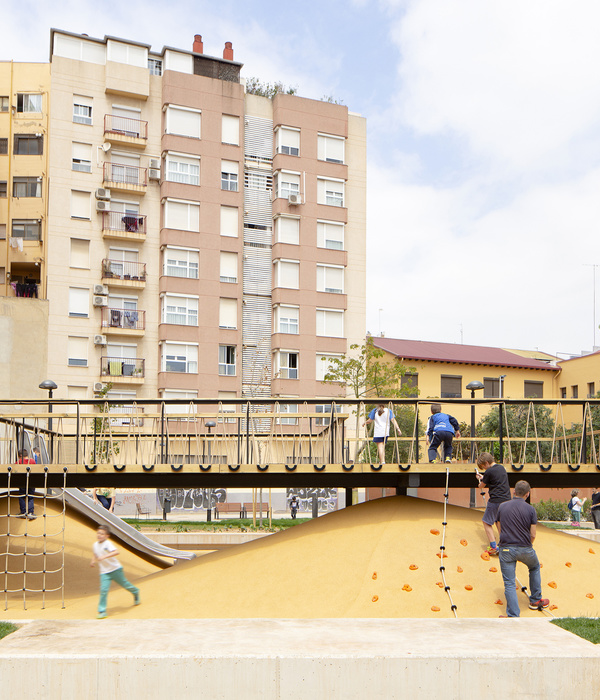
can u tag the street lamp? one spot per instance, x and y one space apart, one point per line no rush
49 386
473 387
210 424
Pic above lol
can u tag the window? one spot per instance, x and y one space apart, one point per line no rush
29 144
155 66
123 302
180 310
411 383
323 363
183 121
3 146
227 360
287 273
330 278
80 253
123 261
287 184
535 390
288 141
77 351
491 388
591 390
77 392
229 175
287 230
81 157
127 121
330 192
330 148
29 229
230 130
330 234
2 232
82 109
80 204
228 313
563 392
229 267
180 408
181 262
79 302
125 168
286 363
288 408
184 169
4 103
182 215
229 221
3 188
574 392
330 322
287 319
325 408
180 357
29 102
120 52
451 387
27 187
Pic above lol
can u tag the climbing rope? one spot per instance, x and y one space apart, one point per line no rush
443 546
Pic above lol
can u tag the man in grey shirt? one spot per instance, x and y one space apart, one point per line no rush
517 525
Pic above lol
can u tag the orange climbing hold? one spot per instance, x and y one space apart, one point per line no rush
591 551
406 588
434 608
375 598
434 531
552 584
589 595
498 602
468 588
459 569
553 607
413 567
374 577
568 563
485 556
464 543
439 554
493 569
440 584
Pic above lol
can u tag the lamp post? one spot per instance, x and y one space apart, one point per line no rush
49 386
473 387
210 424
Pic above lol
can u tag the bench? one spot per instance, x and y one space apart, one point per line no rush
141 510
248 509
228 508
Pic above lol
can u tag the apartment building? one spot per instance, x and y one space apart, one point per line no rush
199 241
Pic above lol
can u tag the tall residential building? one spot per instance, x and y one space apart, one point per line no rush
199 241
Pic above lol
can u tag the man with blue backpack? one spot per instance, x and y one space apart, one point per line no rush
441 429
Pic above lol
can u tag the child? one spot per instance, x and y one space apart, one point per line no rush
382 417
105 553
26 494
576 505
441 428
495 479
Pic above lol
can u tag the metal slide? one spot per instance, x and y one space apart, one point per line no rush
79 501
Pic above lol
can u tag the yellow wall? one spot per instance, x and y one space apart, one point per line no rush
579 372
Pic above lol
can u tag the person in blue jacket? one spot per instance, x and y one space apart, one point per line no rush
441 429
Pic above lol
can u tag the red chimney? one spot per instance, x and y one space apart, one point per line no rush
198 45
228 51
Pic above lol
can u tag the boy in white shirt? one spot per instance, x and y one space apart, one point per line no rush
105 553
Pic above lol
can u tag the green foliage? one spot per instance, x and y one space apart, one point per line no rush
519 422
7 628
181 527
552 510
255 86
405 451
103 449
331 100
586 627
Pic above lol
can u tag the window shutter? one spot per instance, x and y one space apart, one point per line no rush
229 221
230 130
228 313
183 122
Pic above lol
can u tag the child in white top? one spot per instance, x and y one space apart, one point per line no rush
576 507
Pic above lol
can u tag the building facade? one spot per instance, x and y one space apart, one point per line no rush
198 241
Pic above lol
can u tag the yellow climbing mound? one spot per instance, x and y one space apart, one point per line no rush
356 562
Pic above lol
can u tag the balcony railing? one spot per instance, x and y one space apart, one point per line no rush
127 319
123 367
117 221
119 174
25 289
114 124
124 270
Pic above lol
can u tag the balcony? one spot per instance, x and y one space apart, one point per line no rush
123 370
123 322
116 224
123 130
120 273
125 178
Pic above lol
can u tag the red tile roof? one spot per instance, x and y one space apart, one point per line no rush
464 354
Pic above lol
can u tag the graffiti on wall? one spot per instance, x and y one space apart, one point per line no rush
191 499
326 497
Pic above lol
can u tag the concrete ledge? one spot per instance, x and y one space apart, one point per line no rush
327 659
204 540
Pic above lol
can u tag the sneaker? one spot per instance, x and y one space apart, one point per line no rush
31 516
101 616
21 515
448 460
136 599
539 604
492 551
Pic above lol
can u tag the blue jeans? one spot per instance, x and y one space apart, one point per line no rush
509 556
439 437
118 577
26 504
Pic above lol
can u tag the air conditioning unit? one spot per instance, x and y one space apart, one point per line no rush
295 199
100 301
102 193
98 386
100 289
154 174
102 206
155 163
99 339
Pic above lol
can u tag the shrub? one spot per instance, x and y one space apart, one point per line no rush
552 510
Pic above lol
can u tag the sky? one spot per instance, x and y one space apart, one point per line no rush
483 143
